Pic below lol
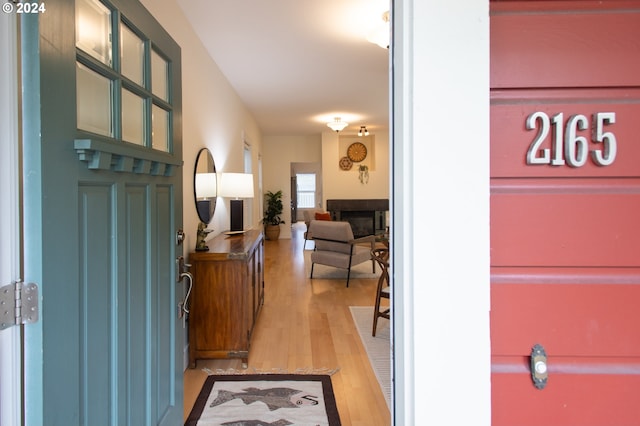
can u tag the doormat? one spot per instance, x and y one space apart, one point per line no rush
265 399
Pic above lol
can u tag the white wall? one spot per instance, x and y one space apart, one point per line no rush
213 116
340 184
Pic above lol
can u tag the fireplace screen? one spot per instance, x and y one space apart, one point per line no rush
362 222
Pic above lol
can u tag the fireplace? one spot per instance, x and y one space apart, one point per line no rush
367 217
362 222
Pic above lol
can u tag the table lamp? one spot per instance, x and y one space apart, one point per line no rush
236 186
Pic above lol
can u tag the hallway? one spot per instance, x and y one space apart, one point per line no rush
307 325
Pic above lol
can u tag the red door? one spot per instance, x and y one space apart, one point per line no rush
565 211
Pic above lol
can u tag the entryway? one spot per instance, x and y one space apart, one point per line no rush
306 325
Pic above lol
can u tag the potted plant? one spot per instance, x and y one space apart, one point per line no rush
271 219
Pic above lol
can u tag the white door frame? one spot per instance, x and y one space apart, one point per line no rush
440 212
10 338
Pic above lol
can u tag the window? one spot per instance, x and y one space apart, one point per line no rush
128 99
306 190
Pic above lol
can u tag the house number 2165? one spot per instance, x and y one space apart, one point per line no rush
567 147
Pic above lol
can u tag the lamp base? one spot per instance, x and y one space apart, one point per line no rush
237 215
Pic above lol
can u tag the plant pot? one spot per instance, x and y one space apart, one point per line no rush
272 232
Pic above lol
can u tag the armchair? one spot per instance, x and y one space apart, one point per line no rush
335 246
309 215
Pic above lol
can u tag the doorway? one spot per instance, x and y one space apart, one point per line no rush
306 189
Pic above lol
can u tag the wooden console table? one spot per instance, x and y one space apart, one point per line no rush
227 294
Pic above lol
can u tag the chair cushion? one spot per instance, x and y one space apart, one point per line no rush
323 216
339 259
336 231
330 258
329 230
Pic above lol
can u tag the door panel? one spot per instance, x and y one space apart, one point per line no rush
101 217
134 258
96 302
166 351
565 270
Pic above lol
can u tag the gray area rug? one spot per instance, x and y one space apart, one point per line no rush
363 270
378 348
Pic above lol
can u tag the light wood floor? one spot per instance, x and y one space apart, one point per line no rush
306 324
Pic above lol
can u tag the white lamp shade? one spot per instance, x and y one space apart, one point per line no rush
236 185
206 185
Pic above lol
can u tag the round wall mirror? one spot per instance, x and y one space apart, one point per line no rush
205 185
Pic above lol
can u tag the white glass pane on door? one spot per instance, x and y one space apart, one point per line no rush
94 101
93 29
159 76
160 129
306 200
306 181
132 55
306 190
132 118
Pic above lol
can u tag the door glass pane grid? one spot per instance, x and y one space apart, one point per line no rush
159 76
132 55
160 129
93 30
133 118
94 101
144 78
306 190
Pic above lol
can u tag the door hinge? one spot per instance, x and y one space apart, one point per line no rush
18 304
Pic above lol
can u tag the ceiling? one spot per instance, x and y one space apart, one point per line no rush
297 64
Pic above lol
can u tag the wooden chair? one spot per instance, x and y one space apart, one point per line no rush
335 246
381 256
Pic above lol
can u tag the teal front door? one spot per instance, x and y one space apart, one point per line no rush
102 205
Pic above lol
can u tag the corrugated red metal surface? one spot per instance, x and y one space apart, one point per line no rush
568 399
566 47
509 112
565 228
565 238
568 316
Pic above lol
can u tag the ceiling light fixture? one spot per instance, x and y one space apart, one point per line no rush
337 124
380 34
363 131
